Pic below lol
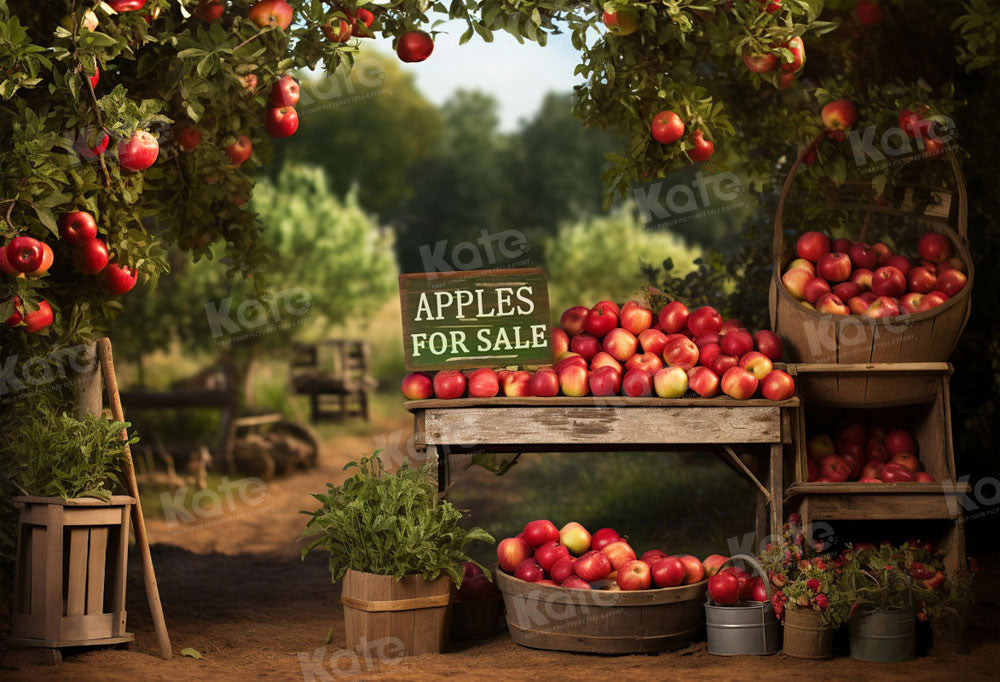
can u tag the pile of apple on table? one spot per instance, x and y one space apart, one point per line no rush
607 350
574 559
841 277
866 454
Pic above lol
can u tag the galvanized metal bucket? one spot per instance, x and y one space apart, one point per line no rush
749 628
884 635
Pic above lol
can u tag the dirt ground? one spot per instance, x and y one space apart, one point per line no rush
235 590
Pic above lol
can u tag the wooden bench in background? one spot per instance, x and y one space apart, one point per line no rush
334 374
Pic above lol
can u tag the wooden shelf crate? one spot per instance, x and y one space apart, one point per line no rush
69 585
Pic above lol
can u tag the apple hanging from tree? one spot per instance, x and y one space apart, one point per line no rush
122 6
342 33
798 49
839 115
188 137
414 46
38 320
271 13
284 92
281 121
25 254
47 258
139 152
624 22
703 149
667 127
91 143
91 256
240 150
118 279
210 10
760 62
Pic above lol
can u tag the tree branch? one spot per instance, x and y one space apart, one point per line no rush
92 99
252 38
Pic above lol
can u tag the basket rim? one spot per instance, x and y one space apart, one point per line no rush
609 599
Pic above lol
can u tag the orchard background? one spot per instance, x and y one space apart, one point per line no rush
350 199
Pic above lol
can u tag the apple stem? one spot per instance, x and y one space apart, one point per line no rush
100 121
252 38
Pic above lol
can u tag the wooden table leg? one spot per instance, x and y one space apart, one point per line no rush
443 466
760 468
953 545
776 486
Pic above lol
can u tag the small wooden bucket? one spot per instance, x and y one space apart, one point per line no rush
602 621
404 617
807 635
69 583
930 336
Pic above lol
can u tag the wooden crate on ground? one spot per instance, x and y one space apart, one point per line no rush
340 392
69 588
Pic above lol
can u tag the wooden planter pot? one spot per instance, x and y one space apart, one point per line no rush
398 617
807 635
601 621
69 584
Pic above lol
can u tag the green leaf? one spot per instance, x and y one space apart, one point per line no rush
191 653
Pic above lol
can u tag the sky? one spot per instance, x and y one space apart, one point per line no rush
519 76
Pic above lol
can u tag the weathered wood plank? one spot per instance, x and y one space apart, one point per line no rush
582 425
77 577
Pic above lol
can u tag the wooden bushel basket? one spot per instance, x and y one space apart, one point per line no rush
404 617
602 621
69 584
930 336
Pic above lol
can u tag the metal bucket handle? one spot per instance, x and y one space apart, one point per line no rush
758 569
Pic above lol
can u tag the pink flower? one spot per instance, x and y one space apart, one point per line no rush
813 584
794 519
822 602
820 564
799 539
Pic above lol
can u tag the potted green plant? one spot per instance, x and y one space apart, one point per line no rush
398 548
947 604
66 469
808 595
882 615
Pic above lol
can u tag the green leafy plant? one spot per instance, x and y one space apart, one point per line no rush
57 455
953 600
876 577
390 524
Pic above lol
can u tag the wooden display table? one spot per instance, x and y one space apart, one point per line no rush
759 429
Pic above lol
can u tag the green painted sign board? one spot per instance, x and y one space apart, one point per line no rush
476 318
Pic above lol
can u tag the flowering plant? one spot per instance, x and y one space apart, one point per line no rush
950 595
879 577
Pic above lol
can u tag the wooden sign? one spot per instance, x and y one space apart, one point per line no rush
476 318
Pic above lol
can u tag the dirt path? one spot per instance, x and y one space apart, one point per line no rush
234 589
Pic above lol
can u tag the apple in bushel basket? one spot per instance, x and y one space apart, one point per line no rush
950 282
511 552
618 553
934 247
575 537
549 553
529 570
845 291
795 281
932 300
803 264
651 556
449 384
575 583
693 569
812 245
538 532
603 538
862 255
835 267
815 288
634 575
863 278
592 566
668 572
417 386
889 281
724 589
713 562
910 303
883 306
562 569
831 305
572 319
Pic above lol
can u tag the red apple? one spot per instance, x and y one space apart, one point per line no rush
651 556
708 353
529 570
724 589
652 341
778 385
449 384
624 22
634 575
854 466
281 121
812 471
605 359
271 13
802 264
284 92
693 570
549 553
516 384
834 467
834 266
895 473
704 320
635 317
210 10
934 247
863 278
668 572
795 282
585 345
600 321
815 288
839 115
953 263
862 255
90 257
921 280
723 363
605 381
907 460
932 300
560 342
757 364
603 538
637 383
36 320
239 151
188 137
618 553
575 583
572 319
575 537
882 251
812 245
666 127
854 432
680 351
417 386
713 562
736 343
674 316
621 344
875 450
592 566
117 279
573 381
952 281
562 569
754 590
871 470
570 359
703 381
923 477
768 343
414 46
670 382
511 552
900 440
739 383
540 531
883 306
139 152
859 304
544 384
830 304
476 588
91 143
845 291
649 362
483 383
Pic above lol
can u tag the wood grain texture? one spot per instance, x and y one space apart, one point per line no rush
601 427
97 565
79 540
